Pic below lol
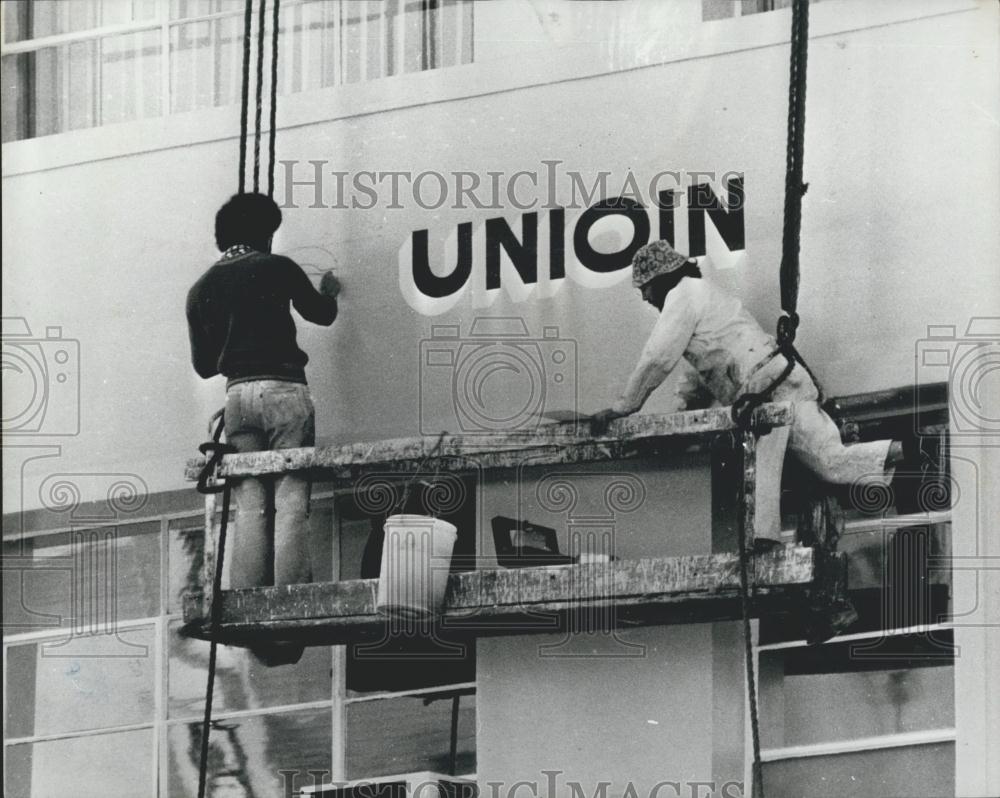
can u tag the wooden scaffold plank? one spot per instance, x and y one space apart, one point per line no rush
547 444
521 601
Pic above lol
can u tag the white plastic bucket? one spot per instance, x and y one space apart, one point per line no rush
416 559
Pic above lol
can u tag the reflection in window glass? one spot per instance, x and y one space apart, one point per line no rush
883 697
130 77
185 552
117 573
81 683
186 547
206 59
16 25
100 79
403 662
926 771
884 558
404 735
240 682
101 765
247 754
185 9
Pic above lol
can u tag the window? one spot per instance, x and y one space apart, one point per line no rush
725 9
98 674
872 712
872 715
410 701
68 66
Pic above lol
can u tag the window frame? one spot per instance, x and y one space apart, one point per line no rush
819 750
161 723
163 23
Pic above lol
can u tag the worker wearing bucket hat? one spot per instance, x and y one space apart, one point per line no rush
733 355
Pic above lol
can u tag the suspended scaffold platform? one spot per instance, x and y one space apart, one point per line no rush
499 601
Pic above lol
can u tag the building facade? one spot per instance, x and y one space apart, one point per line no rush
445 159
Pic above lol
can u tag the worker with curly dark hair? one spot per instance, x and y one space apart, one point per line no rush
241 326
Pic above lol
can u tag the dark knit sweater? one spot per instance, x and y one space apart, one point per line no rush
239 317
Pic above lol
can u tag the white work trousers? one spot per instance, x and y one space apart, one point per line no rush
814 439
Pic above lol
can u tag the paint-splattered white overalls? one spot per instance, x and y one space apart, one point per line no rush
726 346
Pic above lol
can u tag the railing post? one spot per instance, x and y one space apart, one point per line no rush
208 557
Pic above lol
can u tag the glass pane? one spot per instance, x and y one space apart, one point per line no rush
185 550
185 9
116 571
87 683
467 39
926 771
717 9
371 39
51 17
449 50
242 683
32 19
57 89
14 104
872 698
404 735
247 755
310 54
412 33
898 578
406 662
85 767
130 77
15 21
884 557
206 62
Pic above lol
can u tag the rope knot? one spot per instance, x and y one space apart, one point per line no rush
788 325
215 452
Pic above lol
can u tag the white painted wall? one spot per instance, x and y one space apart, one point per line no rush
640 707
898 231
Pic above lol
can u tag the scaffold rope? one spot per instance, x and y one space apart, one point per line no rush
245 95
744 407
273 122
259 94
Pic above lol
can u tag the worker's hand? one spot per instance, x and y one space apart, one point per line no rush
600 420
329 285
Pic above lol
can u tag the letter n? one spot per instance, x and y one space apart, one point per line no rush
523 254
728 220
